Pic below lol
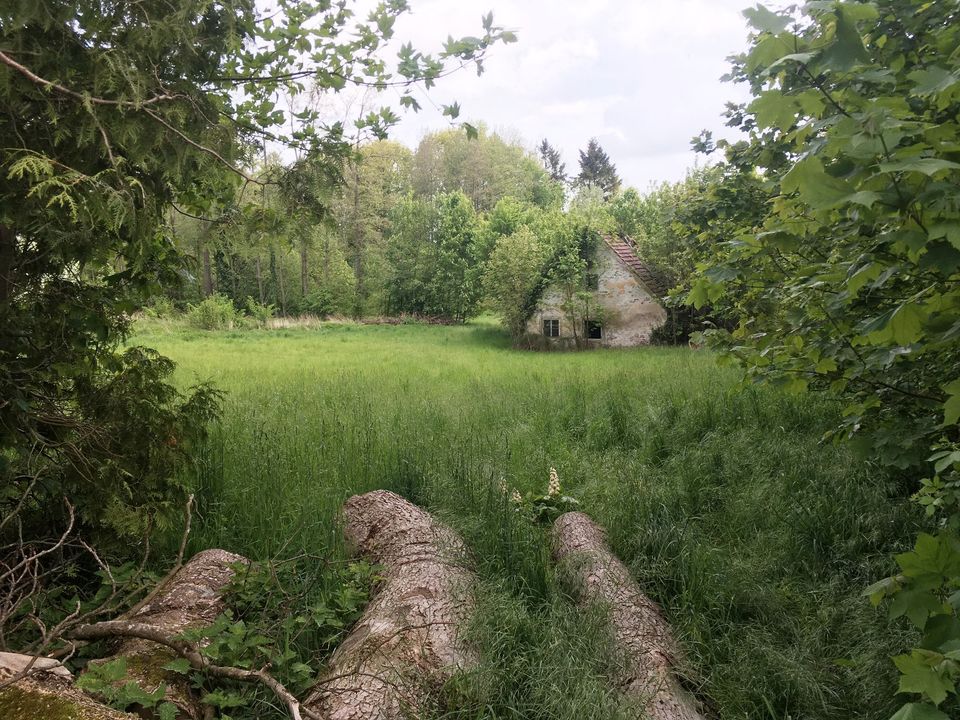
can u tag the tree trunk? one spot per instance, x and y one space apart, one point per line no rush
326 260
283 292
304 267
259 280
190 599
232 260
407 641
640 631
207 275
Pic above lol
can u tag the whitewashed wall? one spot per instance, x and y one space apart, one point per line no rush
630 313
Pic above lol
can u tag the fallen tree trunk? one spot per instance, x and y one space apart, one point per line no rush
191 598
47 693
406 643
640 632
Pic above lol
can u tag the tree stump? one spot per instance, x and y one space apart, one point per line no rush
640 632
406 643
192 598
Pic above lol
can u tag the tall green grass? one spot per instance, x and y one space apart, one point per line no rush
756 538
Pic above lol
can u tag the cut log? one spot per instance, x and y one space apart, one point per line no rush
15 664
640 632
192 598
49 694
407 641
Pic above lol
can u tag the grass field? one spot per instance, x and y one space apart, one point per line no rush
755 538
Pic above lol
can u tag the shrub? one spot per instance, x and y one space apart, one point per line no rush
259 312
160 307
213 313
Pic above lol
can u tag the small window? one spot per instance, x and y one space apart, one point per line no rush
593 281
551 328
593 330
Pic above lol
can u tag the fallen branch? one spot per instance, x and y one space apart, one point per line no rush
189 651
191 598
640 632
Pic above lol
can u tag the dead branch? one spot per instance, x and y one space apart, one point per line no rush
189 651
191 598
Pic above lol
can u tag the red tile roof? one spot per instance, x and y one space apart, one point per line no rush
623 249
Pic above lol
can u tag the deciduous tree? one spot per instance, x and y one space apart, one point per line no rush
852 285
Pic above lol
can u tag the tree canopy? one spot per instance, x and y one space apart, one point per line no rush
850 284
113 115
597 170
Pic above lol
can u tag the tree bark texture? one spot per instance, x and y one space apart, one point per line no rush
407 641
640 632
48 693
192 598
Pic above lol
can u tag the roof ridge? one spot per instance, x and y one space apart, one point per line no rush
624 248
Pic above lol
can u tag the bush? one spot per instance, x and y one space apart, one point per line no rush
160 307
213 313
259 312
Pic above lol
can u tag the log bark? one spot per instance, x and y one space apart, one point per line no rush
640 632
407 642
192 598
49 694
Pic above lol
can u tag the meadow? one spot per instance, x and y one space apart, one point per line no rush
756 538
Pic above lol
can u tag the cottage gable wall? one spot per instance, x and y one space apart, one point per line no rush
630 313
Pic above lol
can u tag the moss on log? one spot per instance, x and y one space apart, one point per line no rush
640 632
48 696
407 642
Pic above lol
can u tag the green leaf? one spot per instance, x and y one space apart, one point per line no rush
814 185
919 675
930 80
773 109
933 559
867 198
927 166
764 20
917 605
847 49
949 230
951 408
906 324
919 711
180 665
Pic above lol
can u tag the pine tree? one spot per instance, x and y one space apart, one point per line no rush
550 159
596 169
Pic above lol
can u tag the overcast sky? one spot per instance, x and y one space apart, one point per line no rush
642 76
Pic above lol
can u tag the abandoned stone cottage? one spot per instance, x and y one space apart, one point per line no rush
625 306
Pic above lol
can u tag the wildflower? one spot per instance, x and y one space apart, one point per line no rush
553 489
515 498
502 486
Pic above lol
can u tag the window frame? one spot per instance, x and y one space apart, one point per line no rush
589 326
549 326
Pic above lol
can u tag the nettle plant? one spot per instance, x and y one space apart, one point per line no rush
851 284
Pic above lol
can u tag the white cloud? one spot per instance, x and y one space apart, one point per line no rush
642 76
